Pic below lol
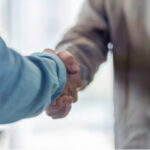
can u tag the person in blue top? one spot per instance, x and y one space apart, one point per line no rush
31 84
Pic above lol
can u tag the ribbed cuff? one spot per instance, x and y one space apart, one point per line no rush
61 72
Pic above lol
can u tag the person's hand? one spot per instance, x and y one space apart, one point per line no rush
62 106
73 80
49 51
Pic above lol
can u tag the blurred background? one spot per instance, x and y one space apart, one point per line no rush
33 25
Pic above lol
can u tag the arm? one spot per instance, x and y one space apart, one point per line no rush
88 39
28 84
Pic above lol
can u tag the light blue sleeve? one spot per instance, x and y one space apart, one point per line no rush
28 84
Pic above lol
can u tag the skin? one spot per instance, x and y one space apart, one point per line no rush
61 107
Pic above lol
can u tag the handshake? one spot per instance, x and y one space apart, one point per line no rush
61 107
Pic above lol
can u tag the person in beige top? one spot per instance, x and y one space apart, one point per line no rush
125 24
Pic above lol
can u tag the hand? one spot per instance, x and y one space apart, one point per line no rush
73 80
49 51
62 106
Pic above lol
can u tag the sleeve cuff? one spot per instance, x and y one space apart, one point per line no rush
61 72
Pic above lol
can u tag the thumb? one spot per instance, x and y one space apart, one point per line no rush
49 51
69 61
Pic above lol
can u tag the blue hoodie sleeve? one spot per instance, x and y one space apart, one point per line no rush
28 84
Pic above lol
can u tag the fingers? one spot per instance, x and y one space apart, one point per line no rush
49 51
61 108
69 61
63 113
76 80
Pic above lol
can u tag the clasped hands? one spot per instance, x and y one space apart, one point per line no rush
61 107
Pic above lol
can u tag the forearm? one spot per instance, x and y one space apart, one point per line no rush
88 39
28 84
88 54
